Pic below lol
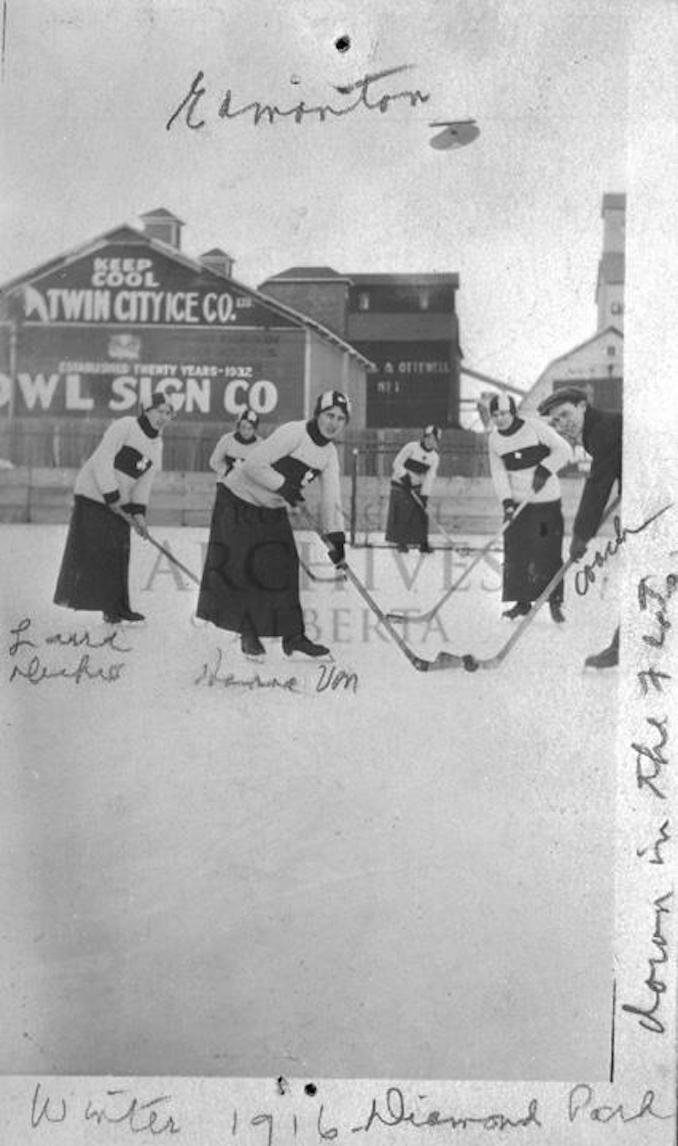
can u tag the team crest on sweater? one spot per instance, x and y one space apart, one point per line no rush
131 462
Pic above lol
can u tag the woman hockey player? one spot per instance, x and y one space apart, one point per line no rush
94 572
525 456
250 583
414 472
233 448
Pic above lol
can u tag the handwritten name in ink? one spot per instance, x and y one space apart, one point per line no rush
333 679
330 679
212 675
28 661
360 94
586 576
117 1108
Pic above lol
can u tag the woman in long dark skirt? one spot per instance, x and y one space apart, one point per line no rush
250 582
115 480
414 472
525 456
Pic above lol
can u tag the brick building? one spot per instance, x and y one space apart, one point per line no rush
405 324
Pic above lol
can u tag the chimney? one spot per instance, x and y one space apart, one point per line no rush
164 226
219 261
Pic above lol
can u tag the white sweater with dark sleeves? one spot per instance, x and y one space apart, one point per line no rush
515 456
290 453
122 467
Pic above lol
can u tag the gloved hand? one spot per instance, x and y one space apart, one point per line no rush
336 554
423 498
510 507
540 477
577 547
138 523
291 492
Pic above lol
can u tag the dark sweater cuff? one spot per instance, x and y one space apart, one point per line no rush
134 507
112 497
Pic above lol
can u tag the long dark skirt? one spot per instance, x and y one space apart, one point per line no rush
407 524
533 547
94 572
251 574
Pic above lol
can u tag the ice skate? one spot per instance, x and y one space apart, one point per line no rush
251 646
112 618
131 617
425 548
293 646
520 609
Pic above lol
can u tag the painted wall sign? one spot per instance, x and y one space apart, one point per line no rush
130 284
100 373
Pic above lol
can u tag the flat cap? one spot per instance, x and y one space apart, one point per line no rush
563 394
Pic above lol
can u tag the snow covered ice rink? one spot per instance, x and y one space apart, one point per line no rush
410 875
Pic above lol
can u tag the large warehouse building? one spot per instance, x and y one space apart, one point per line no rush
93 332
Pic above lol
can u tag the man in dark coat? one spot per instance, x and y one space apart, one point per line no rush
600 433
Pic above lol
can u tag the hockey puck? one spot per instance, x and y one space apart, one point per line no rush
470 663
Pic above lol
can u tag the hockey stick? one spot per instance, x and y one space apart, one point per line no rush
431 519
175 560
471 663
147 537
428 616
442 661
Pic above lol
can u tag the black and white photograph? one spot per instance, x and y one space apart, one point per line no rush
338 523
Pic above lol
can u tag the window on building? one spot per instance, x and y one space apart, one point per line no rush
611 351
424 298
363 301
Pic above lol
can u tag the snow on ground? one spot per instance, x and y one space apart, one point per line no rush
407 876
